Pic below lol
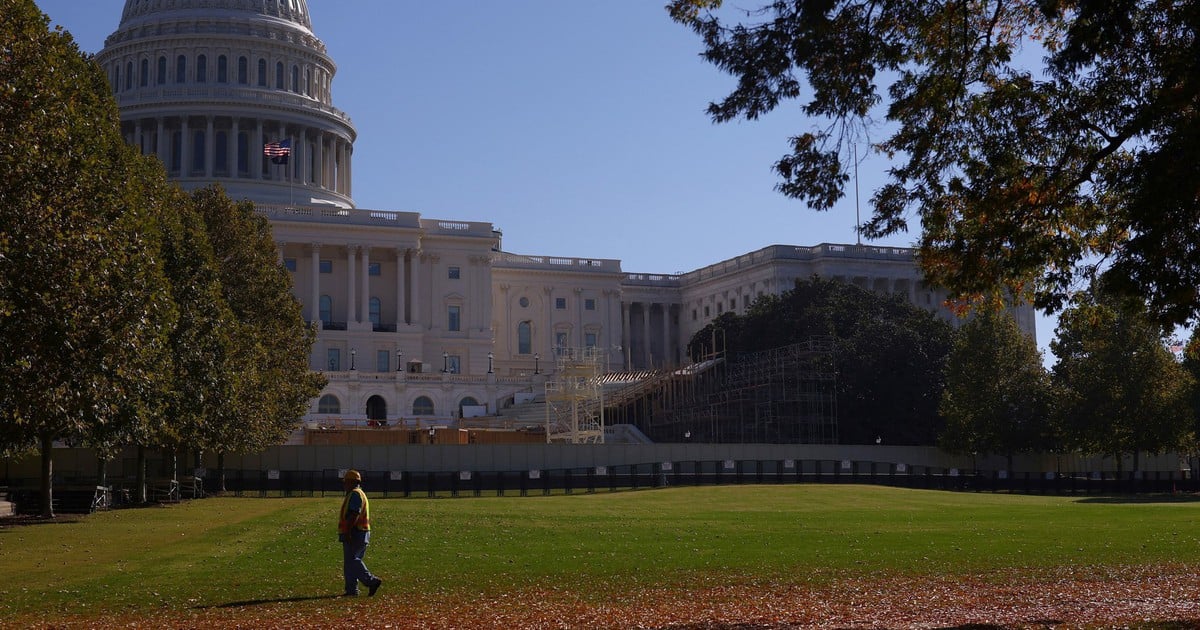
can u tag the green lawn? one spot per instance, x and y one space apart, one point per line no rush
220 551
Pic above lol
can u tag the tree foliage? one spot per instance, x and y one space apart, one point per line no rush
889 355
1122 391
998 397
83 310
1035 140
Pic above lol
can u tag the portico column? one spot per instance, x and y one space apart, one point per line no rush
210 148
185 149
255 148
400 287
666 312
137 136
366 284
549 292
315 308
351 254
231 148
646 332
626 334
160 148
414 293
320 160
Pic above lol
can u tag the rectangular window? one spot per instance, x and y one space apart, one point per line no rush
290 264
454 316
560 304
373 269
383 361
334 360
693 314
326 266
454 364
589 304
589 340
455 273
706 311
745 301
720 307
560 341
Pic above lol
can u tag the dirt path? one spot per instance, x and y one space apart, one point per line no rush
1137 597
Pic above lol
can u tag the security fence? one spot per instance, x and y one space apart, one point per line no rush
416 484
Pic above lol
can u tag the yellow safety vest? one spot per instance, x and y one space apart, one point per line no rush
362 522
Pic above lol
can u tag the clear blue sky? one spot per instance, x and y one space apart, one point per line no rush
578 128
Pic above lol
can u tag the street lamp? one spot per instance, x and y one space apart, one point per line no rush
399 360
536 358
353 353
490 357
445 362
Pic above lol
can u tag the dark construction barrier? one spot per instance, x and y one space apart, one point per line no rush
416 484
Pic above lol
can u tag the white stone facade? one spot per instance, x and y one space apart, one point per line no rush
417 317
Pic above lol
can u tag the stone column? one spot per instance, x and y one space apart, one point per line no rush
320 160
549 293
137 136
400 288
210 148
351 253
666 327
255 148
365 300
646 306
315 308
414 288
626 334
185 149
579 318
231 148
160 148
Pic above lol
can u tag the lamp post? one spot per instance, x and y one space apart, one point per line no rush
445 362
536 358
399 360
490 357
353 353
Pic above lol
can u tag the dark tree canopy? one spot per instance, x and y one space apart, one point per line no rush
889 355
1034 140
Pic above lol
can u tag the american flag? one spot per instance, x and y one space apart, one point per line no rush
278 151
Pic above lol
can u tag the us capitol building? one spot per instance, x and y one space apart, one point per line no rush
417 317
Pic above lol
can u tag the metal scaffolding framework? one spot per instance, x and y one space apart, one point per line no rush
786 395
575 397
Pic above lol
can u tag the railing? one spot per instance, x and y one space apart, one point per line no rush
772 253
247 95
557 263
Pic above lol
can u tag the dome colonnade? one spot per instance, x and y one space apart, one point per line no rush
205 84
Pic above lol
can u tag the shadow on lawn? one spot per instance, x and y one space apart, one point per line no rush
260 602
1143 499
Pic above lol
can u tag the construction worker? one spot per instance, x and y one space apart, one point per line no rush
354 530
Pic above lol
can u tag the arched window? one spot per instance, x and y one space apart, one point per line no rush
376 408
326 309
144 78
422 406
308 82
374 306
201 69
116 77
161 79
180 69
279 75
467 401
296 79
524 338
243 71
329 404
222 69
262 73
129 75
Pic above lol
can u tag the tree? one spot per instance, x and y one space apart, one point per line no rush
1036 141
83 310
998 395
889 354
1122 391
271 384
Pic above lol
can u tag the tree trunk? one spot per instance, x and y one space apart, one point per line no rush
1010 461
1136 455
221 472
101 470
47 477
141 474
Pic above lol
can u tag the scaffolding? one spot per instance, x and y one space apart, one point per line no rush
575 397
785 395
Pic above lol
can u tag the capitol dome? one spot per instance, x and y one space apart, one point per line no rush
206 84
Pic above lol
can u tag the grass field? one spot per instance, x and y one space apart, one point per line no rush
281 557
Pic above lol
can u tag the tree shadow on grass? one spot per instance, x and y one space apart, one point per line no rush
259 602
1143 499
8 523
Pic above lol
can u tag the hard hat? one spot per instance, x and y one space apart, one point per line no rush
352 475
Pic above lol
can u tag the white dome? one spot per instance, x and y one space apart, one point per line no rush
206 84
